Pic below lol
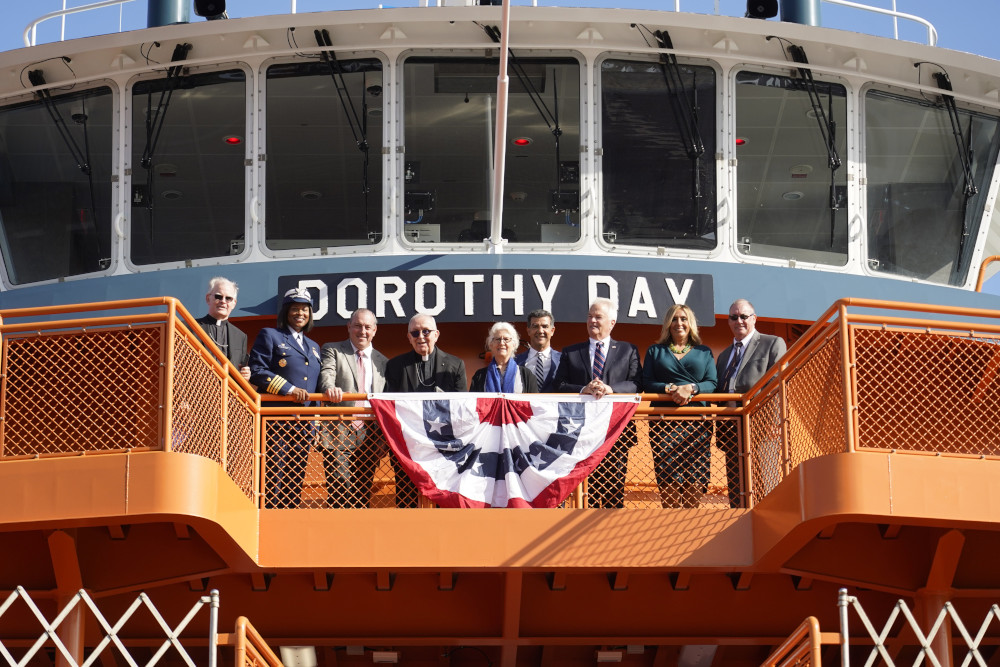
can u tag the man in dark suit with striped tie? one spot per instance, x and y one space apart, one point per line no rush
602 366
540 358
739 367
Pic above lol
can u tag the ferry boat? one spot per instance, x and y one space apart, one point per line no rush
383 158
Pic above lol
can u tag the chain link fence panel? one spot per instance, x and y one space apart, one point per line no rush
81 391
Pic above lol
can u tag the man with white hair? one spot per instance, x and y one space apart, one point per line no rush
424 368
221 301
602 366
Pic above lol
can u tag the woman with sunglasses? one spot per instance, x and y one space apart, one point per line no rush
681 367
502 374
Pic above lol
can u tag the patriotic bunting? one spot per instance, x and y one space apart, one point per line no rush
495 450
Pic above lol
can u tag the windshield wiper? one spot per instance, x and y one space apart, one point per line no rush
80 156
686 113
965 152
358 125
155 120
827 128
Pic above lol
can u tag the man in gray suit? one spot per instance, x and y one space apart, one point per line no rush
739 368
350 457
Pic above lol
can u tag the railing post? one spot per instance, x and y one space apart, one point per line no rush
213 629
744 445
783 416
847 369
167 377
843 600
3 389
224 421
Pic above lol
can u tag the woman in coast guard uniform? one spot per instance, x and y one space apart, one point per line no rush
286 363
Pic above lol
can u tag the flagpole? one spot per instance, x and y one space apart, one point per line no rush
500 142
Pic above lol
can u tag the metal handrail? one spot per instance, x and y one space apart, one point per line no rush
932 34
30 32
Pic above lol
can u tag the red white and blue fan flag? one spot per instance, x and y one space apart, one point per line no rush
496 450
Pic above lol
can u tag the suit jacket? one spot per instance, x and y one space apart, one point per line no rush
622 370
237 352
528 381
549 383
339 368
277 363
762 352
448 375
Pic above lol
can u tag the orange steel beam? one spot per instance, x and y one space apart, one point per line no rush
511 617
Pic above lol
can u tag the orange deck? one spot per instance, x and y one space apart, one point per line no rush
879 478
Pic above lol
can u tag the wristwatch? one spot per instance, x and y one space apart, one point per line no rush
695 391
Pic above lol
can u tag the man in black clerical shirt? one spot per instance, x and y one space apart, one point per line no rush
425 368
221 300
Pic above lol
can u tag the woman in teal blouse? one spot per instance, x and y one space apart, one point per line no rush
680 366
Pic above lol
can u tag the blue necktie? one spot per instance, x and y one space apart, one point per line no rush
734 363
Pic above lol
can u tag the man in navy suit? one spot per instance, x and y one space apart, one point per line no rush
599 367
286 363
540 359
739 367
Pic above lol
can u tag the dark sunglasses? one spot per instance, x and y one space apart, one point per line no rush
417 333
741 316
227 299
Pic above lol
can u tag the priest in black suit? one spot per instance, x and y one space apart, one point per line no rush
602 366
424 368
221 301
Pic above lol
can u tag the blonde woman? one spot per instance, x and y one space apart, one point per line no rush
680 366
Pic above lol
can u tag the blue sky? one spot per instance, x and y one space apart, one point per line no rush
967 25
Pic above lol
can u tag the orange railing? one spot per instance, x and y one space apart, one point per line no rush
126 376
803 648
141 375
251 649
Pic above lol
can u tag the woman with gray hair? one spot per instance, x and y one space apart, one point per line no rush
502 374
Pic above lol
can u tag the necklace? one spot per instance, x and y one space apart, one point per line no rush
679 350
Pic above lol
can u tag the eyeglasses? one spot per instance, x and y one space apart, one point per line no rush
740 316
227 299
417 333
505 340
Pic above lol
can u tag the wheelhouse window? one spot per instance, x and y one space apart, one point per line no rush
324 154
55 185
791 168
450 116
188 172
928 169
658 140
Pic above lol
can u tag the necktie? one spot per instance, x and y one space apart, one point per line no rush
362 386
539 371
734 363
599 362
298 339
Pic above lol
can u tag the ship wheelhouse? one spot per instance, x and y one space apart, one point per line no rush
193 154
